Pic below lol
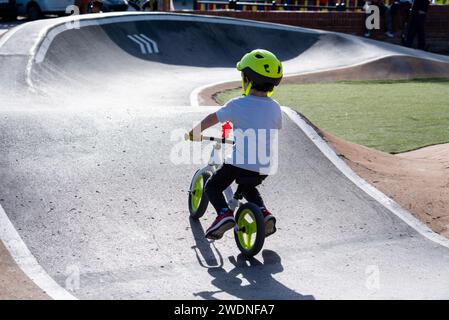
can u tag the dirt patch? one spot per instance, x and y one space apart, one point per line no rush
14 284
417 180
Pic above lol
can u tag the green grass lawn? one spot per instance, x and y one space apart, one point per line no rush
391 116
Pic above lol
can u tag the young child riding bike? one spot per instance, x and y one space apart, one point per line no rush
256 119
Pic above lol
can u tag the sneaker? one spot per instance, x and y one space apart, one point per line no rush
367 34
224 222
389 34
270 222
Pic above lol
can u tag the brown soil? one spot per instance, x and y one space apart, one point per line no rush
417 180
14 284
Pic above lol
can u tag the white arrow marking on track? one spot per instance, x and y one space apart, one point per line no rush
156 49
142 47
147 44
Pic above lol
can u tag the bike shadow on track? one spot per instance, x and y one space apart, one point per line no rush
204 248
249 279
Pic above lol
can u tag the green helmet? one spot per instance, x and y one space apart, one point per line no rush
261 67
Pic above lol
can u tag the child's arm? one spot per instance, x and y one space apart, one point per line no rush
206 123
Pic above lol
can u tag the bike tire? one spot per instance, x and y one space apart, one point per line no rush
253 246
197 208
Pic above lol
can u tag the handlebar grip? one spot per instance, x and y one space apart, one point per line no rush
220 140
207 138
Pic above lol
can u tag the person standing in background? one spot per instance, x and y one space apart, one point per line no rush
395 12
417 23
96 6
82 5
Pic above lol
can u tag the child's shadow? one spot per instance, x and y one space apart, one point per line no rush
249 279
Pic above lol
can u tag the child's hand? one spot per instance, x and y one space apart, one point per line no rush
195 133
193 137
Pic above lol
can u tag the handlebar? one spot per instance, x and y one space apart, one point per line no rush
208 138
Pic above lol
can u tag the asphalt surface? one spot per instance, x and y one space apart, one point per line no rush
88 178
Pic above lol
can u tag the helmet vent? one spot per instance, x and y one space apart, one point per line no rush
279 69
259 56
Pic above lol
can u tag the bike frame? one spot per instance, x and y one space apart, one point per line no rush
215 161
244 229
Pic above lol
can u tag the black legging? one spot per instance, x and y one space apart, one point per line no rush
416 27
224 176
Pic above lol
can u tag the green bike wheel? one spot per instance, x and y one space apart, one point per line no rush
198 200
250 229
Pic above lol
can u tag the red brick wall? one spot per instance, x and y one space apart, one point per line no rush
437 26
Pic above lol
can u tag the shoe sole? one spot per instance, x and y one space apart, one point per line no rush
270 226
216 234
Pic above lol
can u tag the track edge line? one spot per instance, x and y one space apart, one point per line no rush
27 262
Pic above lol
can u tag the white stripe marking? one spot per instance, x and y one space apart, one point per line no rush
27 262
156 49
147 44
141 45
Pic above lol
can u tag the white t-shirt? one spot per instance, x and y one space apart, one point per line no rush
256 121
